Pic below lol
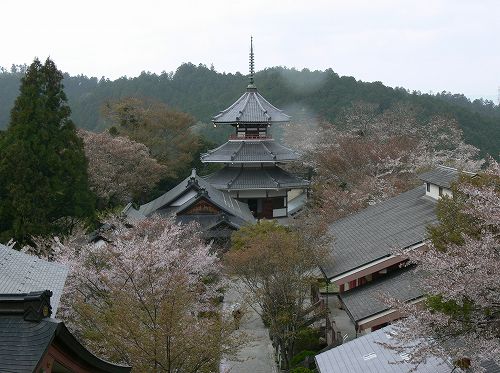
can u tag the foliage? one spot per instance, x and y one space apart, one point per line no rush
119 169
276 264
164 131
142 296
462 279
299 358
43 168
301 370
369 156
324 95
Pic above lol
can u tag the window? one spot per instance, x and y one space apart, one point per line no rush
428 187
440 191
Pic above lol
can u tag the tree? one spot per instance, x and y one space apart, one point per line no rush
369 156
42 164
461 316
148 296
276 264
119 169
166 132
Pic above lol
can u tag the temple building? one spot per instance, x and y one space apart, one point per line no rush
252 158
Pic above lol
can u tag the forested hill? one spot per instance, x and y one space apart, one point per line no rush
203 92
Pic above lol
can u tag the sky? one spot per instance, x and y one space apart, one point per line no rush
421 45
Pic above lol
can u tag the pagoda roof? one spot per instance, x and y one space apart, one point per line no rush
253 108
244 178
243 151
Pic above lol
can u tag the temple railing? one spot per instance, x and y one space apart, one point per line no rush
250 137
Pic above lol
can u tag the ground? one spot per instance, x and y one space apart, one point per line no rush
258 355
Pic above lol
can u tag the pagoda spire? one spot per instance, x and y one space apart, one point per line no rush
251 85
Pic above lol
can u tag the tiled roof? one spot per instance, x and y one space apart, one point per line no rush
23 343
442 176
365 354
251 107
376 231
241 178
23 273
362 302
222 199
241 151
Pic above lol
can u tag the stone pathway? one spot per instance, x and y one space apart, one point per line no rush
258 355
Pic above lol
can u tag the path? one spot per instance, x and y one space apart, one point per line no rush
258 355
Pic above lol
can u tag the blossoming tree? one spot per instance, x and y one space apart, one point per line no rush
148 296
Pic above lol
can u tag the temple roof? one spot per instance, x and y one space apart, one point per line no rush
375 232
188 192
243 151
443 176
251 107
24 273
241 178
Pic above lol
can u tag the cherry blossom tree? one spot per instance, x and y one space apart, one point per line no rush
148 296
367 156
461 316
119 169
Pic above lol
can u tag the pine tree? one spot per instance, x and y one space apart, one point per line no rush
43 169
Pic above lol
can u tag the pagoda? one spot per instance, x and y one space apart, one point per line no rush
252 158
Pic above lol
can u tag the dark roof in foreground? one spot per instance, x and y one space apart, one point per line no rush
26 335
251 107
362 302
442 176
23 344
365 355
244 151
373 233
241 178
24 273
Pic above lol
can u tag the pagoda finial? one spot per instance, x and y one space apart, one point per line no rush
251 63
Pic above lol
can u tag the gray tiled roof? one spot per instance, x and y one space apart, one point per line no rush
241 151
362 302
348 357
376 231
23 343
251 107
23 273
442 176
220 198
241 178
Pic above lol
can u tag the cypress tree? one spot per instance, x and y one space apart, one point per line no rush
43 169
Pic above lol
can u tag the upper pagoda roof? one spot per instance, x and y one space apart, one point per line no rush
250 151
253 108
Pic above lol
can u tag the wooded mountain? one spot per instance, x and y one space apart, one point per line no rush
202 92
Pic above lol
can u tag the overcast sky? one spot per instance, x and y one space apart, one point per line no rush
424 45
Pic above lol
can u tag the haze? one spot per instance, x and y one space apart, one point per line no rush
420 45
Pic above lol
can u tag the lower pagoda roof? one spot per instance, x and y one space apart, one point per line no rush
247 151
249 178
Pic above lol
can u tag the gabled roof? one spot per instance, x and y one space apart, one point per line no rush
443 176
190 190
375 232
251 107
245 151
242 178
23 273
362 302
26 333
365 354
